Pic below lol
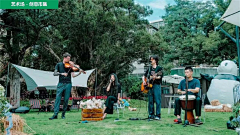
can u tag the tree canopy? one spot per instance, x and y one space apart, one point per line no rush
110 35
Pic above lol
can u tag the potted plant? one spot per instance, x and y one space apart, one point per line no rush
4 111
235 118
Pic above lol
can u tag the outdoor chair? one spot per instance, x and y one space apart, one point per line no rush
61 105
75 103
35 104
118 107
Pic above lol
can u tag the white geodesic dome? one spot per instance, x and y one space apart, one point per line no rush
227 67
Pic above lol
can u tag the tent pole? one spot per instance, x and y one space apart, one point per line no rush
238 48
95 82
219 27
173 89
234 40
7 81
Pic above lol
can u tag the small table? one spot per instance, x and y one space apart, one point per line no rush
170 101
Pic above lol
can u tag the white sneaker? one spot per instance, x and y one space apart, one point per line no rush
157 118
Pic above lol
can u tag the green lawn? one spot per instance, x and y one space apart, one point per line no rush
215 124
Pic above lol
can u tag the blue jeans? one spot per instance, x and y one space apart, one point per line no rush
154 95
66 88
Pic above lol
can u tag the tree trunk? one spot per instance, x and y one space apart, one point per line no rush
53 53
74 92
90 49
15 88
91 84
88 93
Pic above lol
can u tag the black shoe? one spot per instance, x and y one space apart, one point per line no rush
53 117
178 121
63 116
198 122
151 117
158 117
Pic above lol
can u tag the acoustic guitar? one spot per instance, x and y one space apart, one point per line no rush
149 83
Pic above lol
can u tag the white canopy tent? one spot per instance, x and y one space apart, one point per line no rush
175 79
232 14
38 78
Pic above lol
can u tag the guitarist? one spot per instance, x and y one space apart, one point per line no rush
154 94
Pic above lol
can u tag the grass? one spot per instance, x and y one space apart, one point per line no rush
215 124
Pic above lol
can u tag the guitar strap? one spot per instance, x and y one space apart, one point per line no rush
148 75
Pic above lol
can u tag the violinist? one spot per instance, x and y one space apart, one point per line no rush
64 70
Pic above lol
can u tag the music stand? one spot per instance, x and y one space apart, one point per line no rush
186 122
148 74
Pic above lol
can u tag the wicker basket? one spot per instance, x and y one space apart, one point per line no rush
92 114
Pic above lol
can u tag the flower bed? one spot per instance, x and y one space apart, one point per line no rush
97 97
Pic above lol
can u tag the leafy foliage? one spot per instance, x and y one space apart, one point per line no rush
235 118
103 34
110 35
188 35
3 102
132 86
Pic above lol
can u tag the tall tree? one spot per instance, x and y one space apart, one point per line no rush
23 29
108 35
189 33
103 34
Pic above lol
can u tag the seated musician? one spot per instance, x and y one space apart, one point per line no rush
193 89
113 94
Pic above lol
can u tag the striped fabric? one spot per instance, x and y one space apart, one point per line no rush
75 107
61 103
76 104
35 103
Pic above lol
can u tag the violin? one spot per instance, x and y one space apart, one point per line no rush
74 67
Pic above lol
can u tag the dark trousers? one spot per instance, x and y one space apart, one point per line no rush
197 108
66 88
109 104
154 95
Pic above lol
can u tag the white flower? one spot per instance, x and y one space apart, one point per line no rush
2 91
